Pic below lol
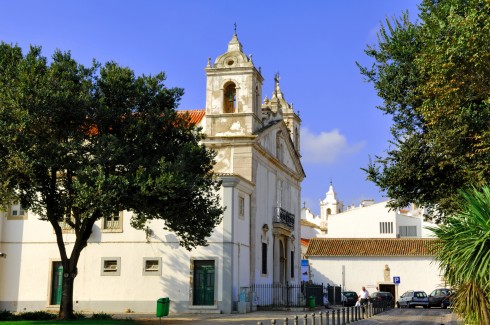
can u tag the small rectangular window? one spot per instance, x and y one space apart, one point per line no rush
111 266
407 231
65 227
264 258
292 264
113 223
386 227
241 207
152 266
16 212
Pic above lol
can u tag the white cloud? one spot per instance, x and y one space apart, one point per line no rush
326 147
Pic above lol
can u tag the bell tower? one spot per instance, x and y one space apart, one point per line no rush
233 93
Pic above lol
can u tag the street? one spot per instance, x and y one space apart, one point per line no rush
415 316
404 316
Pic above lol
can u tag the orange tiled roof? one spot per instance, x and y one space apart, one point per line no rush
370 247
304 241
196 115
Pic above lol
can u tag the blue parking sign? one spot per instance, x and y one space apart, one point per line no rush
396 280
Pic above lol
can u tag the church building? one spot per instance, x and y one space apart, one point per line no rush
258 241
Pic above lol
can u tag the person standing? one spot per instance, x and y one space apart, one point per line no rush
363 296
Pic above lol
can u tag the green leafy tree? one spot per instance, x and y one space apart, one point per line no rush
78 144
463 251
434 78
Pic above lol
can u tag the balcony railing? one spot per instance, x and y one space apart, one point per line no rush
283 217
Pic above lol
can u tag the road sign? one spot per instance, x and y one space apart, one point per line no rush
396 280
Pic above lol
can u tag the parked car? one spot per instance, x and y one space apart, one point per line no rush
349 298
447 302
382 298
440 298
412 298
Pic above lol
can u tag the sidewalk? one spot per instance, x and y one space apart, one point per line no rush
388 317
210 319
220 319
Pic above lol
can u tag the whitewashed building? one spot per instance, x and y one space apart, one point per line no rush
370 220
380 264
369 245
258 241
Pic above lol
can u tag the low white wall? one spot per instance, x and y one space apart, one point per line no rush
416 273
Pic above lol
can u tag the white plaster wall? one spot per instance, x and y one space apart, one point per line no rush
404 220
426 233
31 248
361 222
364 223
265 201
416 273
309 232
242 243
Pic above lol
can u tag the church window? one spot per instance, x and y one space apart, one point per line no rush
296 138
229 98
279 153
257 100
264 258
329 212
280 193
241 207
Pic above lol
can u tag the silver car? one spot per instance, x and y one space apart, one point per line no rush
412 298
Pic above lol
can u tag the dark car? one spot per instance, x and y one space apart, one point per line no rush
412 298
349 298
439 298
382 299
447 302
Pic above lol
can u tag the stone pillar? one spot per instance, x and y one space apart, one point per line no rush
275 259
227 267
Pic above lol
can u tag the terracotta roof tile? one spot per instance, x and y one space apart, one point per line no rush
196 115
304 241
370 247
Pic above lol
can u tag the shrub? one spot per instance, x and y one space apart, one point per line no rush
37 315
6 315
101 316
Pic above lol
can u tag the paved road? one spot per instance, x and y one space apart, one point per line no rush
417 316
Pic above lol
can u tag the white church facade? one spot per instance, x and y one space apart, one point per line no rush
127 270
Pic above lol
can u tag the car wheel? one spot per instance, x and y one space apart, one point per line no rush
443 306
427 306
411 306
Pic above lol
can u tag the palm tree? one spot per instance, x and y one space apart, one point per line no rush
463 252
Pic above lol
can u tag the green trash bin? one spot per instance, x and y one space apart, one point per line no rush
163 306
311 302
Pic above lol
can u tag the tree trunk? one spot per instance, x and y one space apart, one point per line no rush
70 269
66 306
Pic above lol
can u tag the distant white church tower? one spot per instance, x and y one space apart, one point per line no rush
328 206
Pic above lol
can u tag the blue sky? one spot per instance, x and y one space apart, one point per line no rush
312 44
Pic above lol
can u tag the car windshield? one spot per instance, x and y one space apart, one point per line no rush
350 294
420 294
